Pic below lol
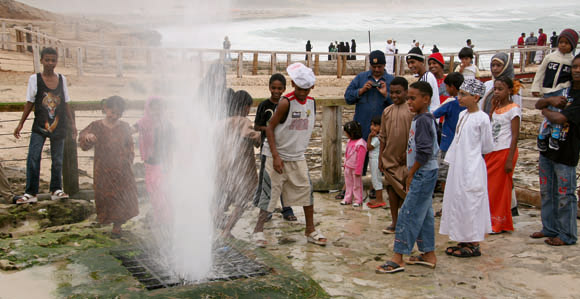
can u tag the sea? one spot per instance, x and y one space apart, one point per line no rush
490 24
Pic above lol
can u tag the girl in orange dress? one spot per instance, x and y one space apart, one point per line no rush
505 126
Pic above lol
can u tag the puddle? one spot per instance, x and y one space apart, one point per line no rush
37 282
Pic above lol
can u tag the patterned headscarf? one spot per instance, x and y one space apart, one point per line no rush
507 71
473 86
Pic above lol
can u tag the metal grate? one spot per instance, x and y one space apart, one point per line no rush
229 264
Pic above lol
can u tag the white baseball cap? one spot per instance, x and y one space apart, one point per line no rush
301 75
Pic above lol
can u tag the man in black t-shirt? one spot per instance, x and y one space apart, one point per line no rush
558 167
277 86
554 40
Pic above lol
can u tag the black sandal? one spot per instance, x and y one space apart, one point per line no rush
340 195
290 218
468 251
449 250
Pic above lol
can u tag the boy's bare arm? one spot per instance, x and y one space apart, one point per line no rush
260 128
370 147
558 102
27 109
412 171
554 116
281 112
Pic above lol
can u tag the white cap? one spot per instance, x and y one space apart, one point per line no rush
302 76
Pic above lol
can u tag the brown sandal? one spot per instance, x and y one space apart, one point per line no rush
555 241
537 235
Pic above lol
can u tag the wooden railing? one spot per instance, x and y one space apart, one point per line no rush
89 57
331 173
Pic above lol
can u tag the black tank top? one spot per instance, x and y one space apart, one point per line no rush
50 119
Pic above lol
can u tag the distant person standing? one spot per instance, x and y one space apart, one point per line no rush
353 49
542 41
227 45
531 41
308 49
521 41
435 49
390 58
469 44
330 50
554 40
347 50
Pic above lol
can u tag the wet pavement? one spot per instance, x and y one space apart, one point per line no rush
511 265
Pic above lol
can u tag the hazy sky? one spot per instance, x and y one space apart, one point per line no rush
88 7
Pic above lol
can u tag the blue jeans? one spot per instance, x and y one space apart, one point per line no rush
557 188
547 128
416 220
33 163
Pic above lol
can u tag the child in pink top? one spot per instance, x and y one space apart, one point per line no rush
354 159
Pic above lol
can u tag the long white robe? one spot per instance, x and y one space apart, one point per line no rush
390 65
466 216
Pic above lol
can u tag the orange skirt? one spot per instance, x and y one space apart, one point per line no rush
499 188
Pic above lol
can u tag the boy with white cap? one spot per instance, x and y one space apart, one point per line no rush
288 134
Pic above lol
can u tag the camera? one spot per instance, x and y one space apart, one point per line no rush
376 84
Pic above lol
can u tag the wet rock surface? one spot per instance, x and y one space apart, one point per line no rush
511 265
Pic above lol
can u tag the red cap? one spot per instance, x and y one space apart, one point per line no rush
438 58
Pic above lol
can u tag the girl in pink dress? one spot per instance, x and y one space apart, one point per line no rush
354 159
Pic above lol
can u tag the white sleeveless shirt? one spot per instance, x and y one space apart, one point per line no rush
293 135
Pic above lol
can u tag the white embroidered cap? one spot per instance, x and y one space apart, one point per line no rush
302 76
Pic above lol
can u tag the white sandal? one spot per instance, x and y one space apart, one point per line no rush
259 239
26 198
315 237
59 194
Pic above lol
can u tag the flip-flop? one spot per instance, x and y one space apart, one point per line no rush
389 230
420 261
24 199
384 268
290 218
315 237
537 235
378 205
340 195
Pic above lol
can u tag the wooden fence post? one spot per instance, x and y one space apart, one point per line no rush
119 62
451 64
400 65
339 66
308 59
255 64
70 168
331 148
477 60
522 61
343 65
79 61
4 34
288 59
36 59
240 68
367 63
317 65
273 61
